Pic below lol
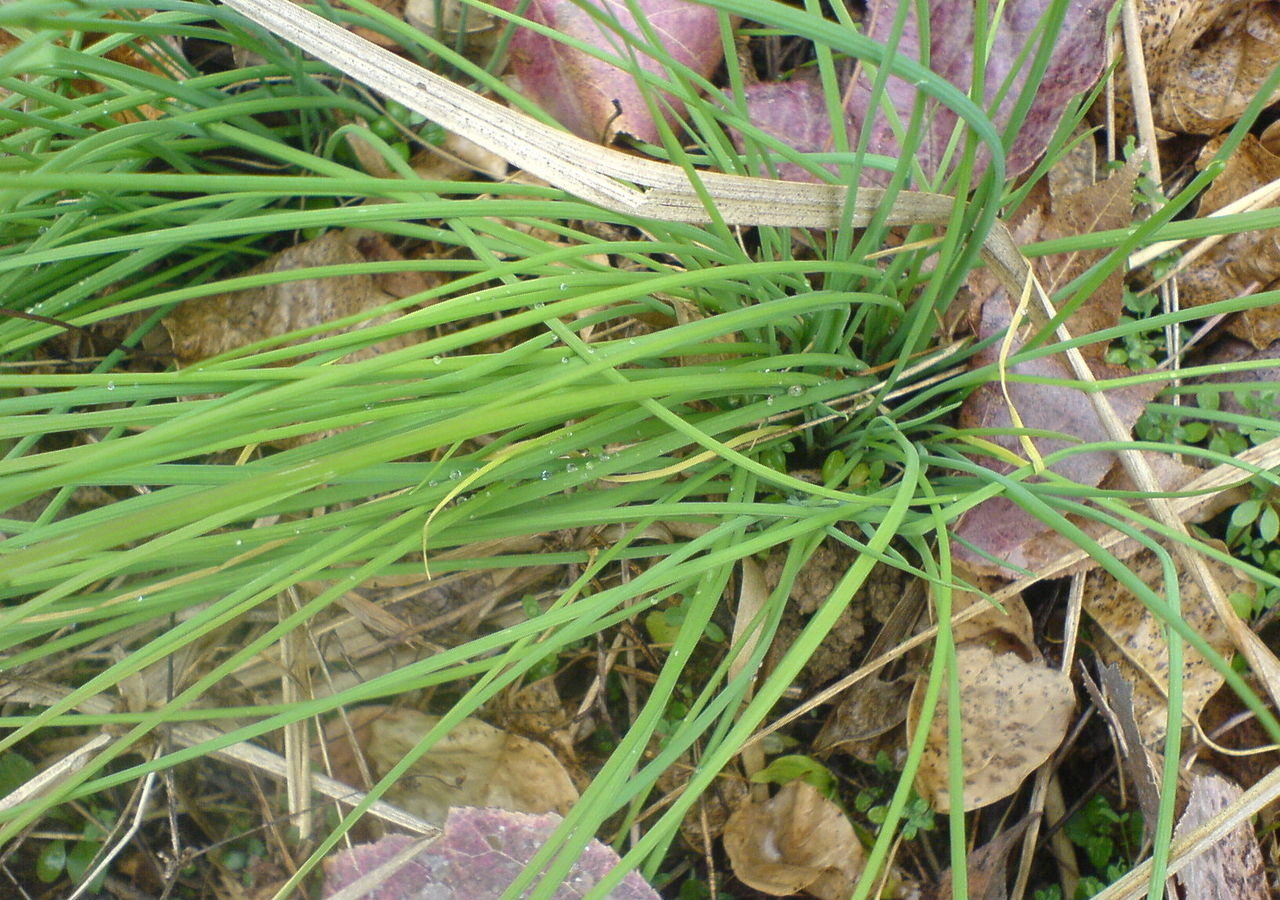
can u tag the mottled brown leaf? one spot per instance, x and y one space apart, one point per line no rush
986 867
208 326
1206 85
475 764
1015 713
871 708
796 841
1134 639
1102 206
1240 263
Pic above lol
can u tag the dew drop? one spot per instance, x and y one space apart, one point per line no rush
455 474
564 360
768 401
563 285
795 390
545 475
437 360
571 467
111 385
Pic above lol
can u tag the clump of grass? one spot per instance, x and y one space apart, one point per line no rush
153 519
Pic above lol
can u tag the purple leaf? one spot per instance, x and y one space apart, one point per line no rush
795 113
1077 61
997 525
585 93
477 857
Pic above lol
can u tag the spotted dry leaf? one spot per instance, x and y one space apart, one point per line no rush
208 326
475 764
1102 206
1206 86
1239 263
1001 629
796 841
1231 869
1015 713
1135 640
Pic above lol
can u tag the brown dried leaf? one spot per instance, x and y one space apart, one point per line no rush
1232 869
1015 714
208 326
1076 169
1008 630
1114 699
475 764
457 159
1240 262
986 867
872 708
796 841
1102 206
1136 642
1206 85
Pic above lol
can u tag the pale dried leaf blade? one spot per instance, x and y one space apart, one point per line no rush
796 841
592 172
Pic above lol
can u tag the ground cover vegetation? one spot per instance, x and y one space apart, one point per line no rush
480 494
